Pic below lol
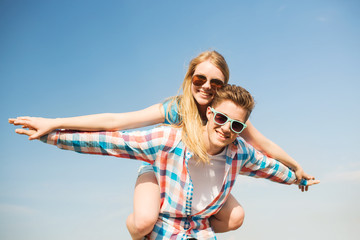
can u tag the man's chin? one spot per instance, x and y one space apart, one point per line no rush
219 145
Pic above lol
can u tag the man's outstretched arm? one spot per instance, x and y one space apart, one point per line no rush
140 145
260 166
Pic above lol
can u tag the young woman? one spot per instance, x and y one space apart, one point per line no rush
205 74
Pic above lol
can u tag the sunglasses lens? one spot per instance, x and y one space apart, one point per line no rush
237 126
216 83
220 118
198 80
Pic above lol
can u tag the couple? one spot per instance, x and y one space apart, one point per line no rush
203 145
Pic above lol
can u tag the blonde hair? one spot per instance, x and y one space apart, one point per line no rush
238 95
190 119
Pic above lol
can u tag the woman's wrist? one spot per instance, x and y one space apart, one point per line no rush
296 167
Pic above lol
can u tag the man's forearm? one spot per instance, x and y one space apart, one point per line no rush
101 143
261 166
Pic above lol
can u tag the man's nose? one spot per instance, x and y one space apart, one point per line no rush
226 127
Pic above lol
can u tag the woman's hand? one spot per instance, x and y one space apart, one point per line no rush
37 126
300 174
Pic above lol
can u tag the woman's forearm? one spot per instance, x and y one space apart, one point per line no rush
267 147
113 121
97 122
272 150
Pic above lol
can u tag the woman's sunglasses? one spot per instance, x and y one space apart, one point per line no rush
199 80
222 119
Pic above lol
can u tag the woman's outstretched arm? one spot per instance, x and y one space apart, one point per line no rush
97 122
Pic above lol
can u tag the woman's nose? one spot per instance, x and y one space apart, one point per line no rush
207 84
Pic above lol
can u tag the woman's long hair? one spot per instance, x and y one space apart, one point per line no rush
190 119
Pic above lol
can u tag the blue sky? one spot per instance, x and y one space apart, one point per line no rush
300 60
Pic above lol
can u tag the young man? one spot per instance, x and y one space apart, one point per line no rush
191 191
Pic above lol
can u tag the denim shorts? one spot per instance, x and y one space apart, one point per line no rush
144 168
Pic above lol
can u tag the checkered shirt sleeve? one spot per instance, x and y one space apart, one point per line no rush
140 145
260 166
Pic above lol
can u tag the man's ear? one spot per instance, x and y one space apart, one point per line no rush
208 113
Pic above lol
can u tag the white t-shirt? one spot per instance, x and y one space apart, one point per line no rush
207 180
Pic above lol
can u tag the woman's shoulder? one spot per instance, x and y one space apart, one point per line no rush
171 110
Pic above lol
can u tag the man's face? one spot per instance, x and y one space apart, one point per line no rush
219 136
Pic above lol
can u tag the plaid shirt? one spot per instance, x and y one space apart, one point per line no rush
162 147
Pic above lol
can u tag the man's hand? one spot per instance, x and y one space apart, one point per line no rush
37 127
309 183
300 174
29 132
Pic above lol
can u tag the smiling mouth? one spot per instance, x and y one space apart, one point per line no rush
221 135
205 94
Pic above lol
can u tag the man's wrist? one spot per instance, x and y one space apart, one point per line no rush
303 182
57 123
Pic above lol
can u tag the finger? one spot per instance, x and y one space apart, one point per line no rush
23 118
309 177
21 122
28 126
11 120
35 136
24 132
313 182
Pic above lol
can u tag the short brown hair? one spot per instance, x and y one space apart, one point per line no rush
238 95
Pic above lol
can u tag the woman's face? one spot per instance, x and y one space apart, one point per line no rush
204 93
